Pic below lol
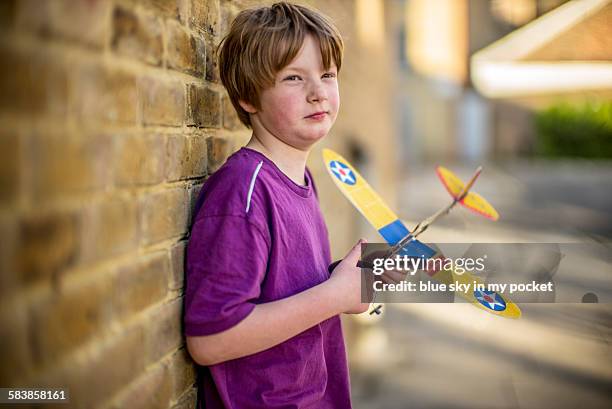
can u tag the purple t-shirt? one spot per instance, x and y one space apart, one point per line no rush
259 237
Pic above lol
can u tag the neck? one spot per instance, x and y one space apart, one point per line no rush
290 160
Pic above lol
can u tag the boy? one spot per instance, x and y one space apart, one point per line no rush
261 309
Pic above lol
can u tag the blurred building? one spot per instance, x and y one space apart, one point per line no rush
443 109
563 56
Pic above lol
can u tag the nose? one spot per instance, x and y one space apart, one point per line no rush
317 92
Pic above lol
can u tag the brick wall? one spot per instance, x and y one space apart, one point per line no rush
112 116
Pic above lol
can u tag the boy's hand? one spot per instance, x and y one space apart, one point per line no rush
346 279
388 276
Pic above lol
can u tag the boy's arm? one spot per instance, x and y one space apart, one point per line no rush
274 322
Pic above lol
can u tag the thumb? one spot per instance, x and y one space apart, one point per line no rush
355 253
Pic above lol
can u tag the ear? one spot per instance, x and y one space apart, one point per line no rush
247 107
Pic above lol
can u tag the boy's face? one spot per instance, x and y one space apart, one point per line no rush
303 104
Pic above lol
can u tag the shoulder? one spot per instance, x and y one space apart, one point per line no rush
232 189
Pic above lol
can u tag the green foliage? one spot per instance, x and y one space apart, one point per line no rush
584 131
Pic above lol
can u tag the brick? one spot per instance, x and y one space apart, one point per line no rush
198 148
32 83
163 215
10 151
182 372
67 165
167 8
239 140
183 11
82 21
139 159
66 319
15 355
105 95
141 284
150 391
177 150
177 265
27 15
137 35
200 52
7 14
204 107
181 47
197 155
48 244
212 67
194 192
164 331
188 400
102 372
205 16
218 151
110 228
8 250
229 11
163 103
186 157
230 117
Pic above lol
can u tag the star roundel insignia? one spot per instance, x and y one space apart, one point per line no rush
490 299
343 172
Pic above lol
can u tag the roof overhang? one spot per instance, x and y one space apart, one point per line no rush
500 71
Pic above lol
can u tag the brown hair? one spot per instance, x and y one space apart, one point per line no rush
262 41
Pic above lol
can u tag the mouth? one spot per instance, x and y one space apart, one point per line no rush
317 115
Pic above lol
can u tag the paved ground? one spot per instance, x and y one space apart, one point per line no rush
558 355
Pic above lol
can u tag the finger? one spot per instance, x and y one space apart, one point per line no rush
387 280
355 253
395 275
374 255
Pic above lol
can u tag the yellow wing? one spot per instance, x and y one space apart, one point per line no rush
358 191
453 184
479 204
370 204
472 201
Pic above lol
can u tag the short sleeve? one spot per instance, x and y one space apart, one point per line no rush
225 265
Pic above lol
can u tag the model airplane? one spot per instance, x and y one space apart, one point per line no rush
404 242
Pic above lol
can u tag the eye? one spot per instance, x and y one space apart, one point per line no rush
329 75
292 78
